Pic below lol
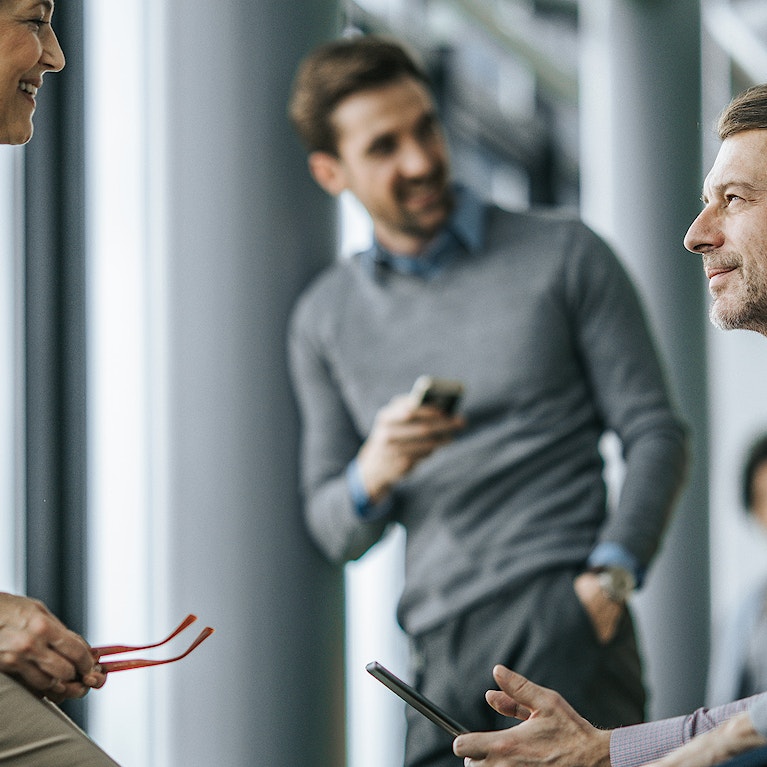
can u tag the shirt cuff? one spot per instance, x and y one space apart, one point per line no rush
611 554
363 506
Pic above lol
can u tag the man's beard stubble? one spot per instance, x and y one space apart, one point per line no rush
748 310
411 223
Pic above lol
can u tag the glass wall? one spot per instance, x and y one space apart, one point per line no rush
11 159
125 363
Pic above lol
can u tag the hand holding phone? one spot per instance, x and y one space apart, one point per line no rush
403 434
442 393
414 698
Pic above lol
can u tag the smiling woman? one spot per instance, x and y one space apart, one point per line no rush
28 49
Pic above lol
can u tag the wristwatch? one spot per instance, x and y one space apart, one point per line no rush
616 582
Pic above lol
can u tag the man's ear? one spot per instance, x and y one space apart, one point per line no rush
327 172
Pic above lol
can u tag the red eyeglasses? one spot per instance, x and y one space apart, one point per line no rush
124 665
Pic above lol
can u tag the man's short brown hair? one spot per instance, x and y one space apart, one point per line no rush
337 70
747 111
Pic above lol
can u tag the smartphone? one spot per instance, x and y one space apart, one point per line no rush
440 392
419 702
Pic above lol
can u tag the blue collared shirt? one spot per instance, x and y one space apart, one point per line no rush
463 233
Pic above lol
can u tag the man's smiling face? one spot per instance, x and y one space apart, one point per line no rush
731 232
392 157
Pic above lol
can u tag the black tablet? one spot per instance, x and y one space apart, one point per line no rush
414 698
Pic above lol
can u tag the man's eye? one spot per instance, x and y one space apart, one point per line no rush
427 129
382 148
730 198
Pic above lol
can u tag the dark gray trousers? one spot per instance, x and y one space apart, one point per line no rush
541 631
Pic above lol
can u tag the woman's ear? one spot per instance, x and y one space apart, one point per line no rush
327 171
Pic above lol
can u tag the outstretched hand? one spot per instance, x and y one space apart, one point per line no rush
41 653
551 732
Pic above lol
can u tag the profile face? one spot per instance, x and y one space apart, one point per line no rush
730 233
759 495
28 49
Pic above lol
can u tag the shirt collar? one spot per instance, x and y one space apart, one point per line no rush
463 233
468 220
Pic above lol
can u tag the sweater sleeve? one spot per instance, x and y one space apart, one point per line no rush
642 743
329 441
626 377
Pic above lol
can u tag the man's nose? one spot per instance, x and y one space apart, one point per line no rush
704 233
415 159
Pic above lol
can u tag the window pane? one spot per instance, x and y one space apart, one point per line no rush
10 309
125 381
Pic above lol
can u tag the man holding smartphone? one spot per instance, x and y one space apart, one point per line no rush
511 554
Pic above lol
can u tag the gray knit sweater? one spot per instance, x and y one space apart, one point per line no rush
545 330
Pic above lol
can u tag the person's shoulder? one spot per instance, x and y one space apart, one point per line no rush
560 233
326 291
535 215
557 245
538 222
334 278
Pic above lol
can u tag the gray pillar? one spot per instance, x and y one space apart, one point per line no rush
640 91
246 229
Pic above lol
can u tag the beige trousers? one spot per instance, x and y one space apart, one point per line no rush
36 733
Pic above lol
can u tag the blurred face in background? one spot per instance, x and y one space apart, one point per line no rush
393 158
759 495
28 49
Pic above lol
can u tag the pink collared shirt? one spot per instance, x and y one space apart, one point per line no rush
642 743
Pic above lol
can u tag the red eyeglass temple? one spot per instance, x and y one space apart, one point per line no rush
124 665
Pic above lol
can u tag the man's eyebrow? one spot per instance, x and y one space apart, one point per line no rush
746 185
743 185
380 140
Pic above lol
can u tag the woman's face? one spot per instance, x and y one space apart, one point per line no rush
28 49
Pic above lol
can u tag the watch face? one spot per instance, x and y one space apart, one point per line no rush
617 583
